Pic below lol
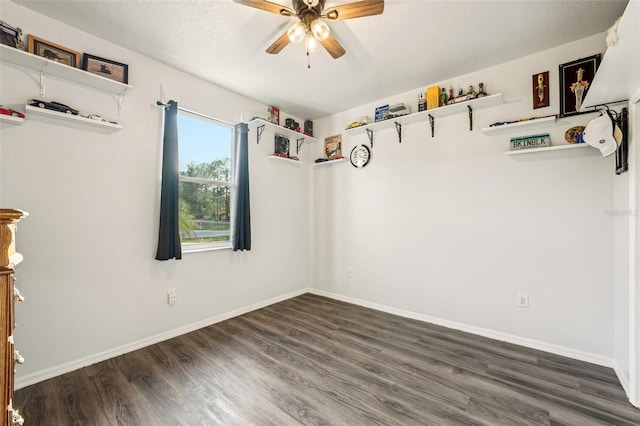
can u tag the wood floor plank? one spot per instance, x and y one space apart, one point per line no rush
369 375
311 360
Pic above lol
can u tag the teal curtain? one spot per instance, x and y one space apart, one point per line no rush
169 246
241 233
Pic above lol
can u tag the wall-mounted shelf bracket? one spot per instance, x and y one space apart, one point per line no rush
121 100
43 75
399 130
299 143
260 129
370 134
470 118
432 123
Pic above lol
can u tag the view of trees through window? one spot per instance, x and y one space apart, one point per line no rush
205 180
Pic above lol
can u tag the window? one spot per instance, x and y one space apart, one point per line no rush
206 182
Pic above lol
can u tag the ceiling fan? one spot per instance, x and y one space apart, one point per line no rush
311 27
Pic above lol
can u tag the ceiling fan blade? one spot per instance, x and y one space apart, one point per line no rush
279 44
268 6
333 47
355 10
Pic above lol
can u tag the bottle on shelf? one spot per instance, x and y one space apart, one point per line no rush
422 103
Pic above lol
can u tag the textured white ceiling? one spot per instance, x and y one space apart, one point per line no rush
412 44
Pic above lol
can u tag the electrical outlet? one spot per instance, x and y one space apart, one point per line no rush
349 272
523 300
171 296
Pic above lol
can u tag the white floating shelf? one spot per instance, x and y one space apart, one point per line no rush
56 69
74 120
518 126
549 148
288 160
257 122
325 163
10 120
443 111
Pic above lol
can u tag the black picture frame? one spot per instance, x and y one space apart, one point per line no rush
575 80
105 68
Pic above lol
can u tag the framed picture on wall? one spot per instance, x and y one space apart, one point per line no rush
575 79
54 52
540 89
106 68
333 147
281 146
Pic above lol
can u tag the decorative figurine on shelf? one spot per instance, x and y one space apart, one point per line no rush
481 93
443 97
451 97
471 93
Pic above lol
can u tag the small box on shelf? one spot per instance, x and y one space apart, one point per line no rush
381 113
274 115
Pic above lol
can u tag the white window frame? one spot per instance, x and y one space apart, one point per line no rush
213 245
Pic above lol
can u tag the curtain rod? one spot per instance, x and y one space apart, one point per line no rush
162 104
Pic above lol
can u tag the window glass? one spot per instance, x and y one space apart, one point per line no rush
205 182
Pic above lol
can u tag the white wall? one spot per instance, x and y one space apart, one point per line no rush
634 270
90 279
447 228
623 215
451 228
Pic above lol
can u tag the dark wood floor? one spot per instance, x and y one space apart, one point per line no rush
312 360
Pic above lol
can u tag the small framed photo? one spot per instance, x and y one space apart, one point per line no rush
575 79
106 68
540 89
281 146
333 147
54 52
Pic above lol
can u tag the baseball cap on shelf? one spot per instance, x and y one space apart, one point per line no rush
599 133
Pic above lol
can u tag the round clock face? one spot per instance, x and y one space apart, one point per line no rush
360 156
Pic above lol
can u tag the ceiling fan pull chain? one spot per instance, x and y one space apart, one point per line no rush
308 60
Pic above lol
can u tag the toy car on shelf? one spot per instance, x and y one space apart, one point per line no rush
95 117
360 121
53 106
11 112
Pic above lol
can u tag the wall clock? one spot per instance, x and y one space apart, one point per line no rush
360 156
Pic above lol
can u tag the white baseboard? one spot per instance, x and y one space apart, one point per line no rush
58 370
624 379
68 367
492 334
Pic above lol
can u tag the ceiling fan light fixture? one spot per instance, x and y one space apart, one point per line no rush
320 30
311 43
297 32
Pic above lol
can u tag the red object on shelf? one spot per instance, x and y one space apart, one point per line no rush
9 111
274 115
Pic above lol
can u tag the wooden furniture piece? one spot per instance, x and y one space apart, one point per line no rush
9 295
